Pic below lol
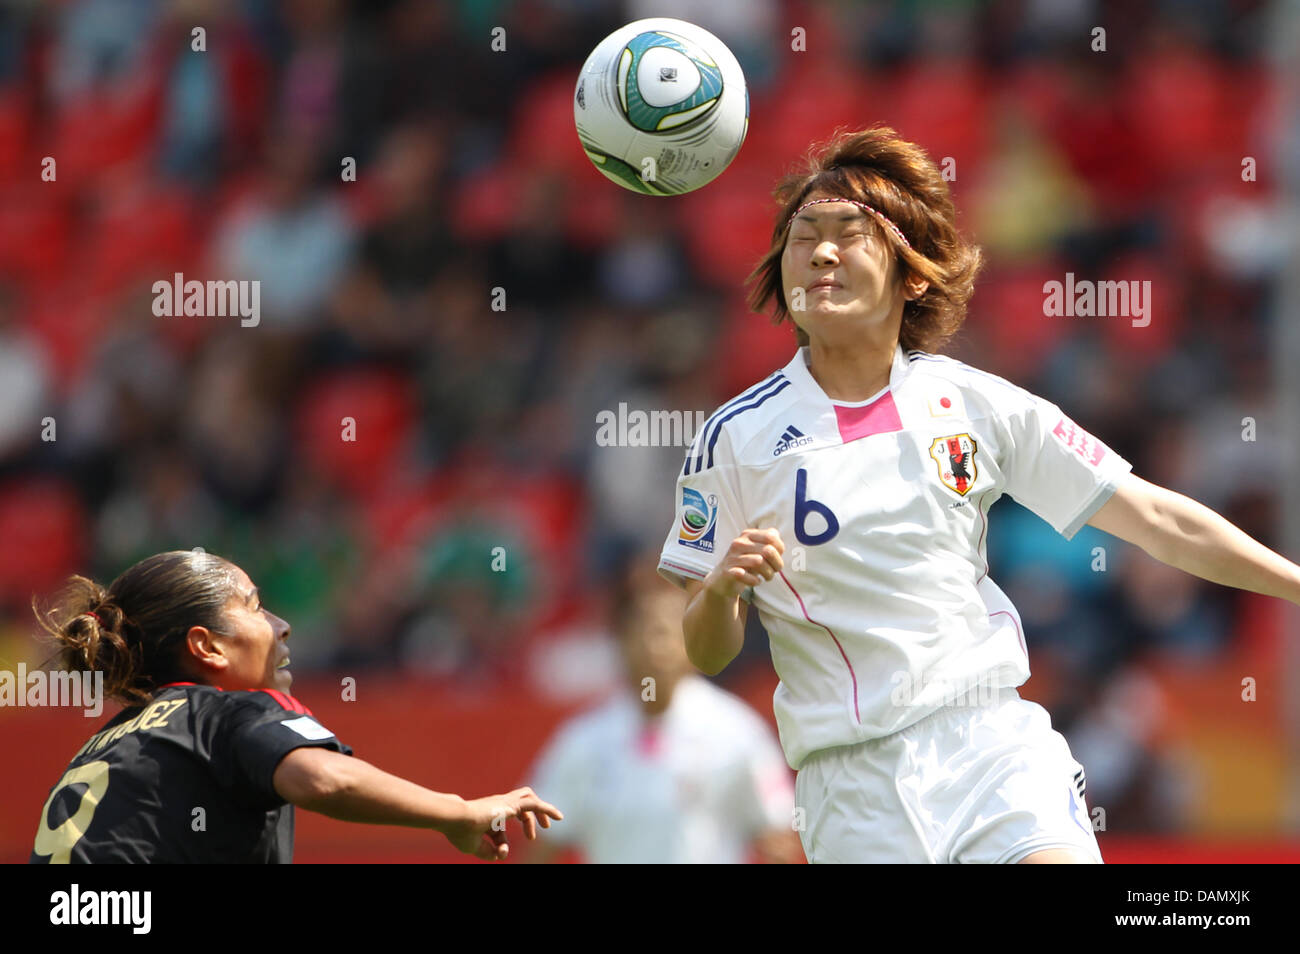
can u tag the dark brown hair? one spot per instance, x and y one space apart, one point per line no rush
139 621
900 181
635 585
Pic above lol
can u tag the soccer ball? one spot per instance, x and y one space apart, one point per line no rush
661 106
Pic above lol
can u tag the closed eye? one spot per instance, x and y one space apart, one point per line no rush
854 233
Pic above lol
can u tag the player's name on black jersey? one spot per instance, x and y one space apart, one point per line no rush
184 778
154 716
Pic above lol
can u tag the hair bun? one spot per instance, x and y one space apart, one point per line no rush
167 594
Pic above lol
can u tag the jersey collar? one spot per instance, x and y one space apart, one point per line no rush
798 373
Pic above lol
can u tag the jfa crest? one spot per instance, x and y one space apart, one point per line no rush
955 456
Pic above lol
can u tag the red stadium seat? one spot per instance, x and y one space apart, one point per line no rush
1006 312
71 322
142 230
96 132
755 347
1165 313
382 404
840 92
484 202
943 106
727 228
13 132
542 134
1178 106
47 536
35 233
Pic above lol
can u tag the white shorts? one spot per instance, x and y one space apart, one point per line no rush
984 784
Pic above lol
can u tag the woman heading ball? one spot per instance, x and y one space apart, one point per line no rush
846 497
203 668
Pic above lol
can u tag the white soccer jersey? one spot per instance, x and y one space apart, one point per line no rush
885 610
694 785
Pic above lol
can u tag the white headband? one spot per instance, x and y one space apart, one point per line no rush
883 219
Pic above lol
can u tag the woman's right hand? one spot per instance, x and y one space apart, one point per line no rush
752 558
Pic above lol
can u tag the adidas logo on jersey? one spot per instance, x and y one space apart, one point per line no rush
792 438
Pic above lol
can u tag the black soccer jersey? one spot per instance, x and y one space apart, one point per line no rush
185 778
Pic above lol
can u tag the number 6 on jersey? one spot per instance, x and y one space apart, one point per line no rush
804 506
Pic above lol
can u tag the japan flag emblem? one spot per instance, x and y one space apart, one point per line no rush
955 456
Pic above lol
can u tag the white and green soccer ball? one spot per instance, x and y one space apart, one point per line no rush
661 106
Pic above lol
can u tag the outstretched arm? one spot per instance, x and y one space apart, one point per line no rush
1191 537
349 789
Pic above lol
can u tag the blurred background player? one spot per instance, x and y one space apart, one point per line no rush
671 769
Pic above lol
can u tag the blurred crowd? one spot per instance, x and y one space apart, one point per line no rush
477 293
